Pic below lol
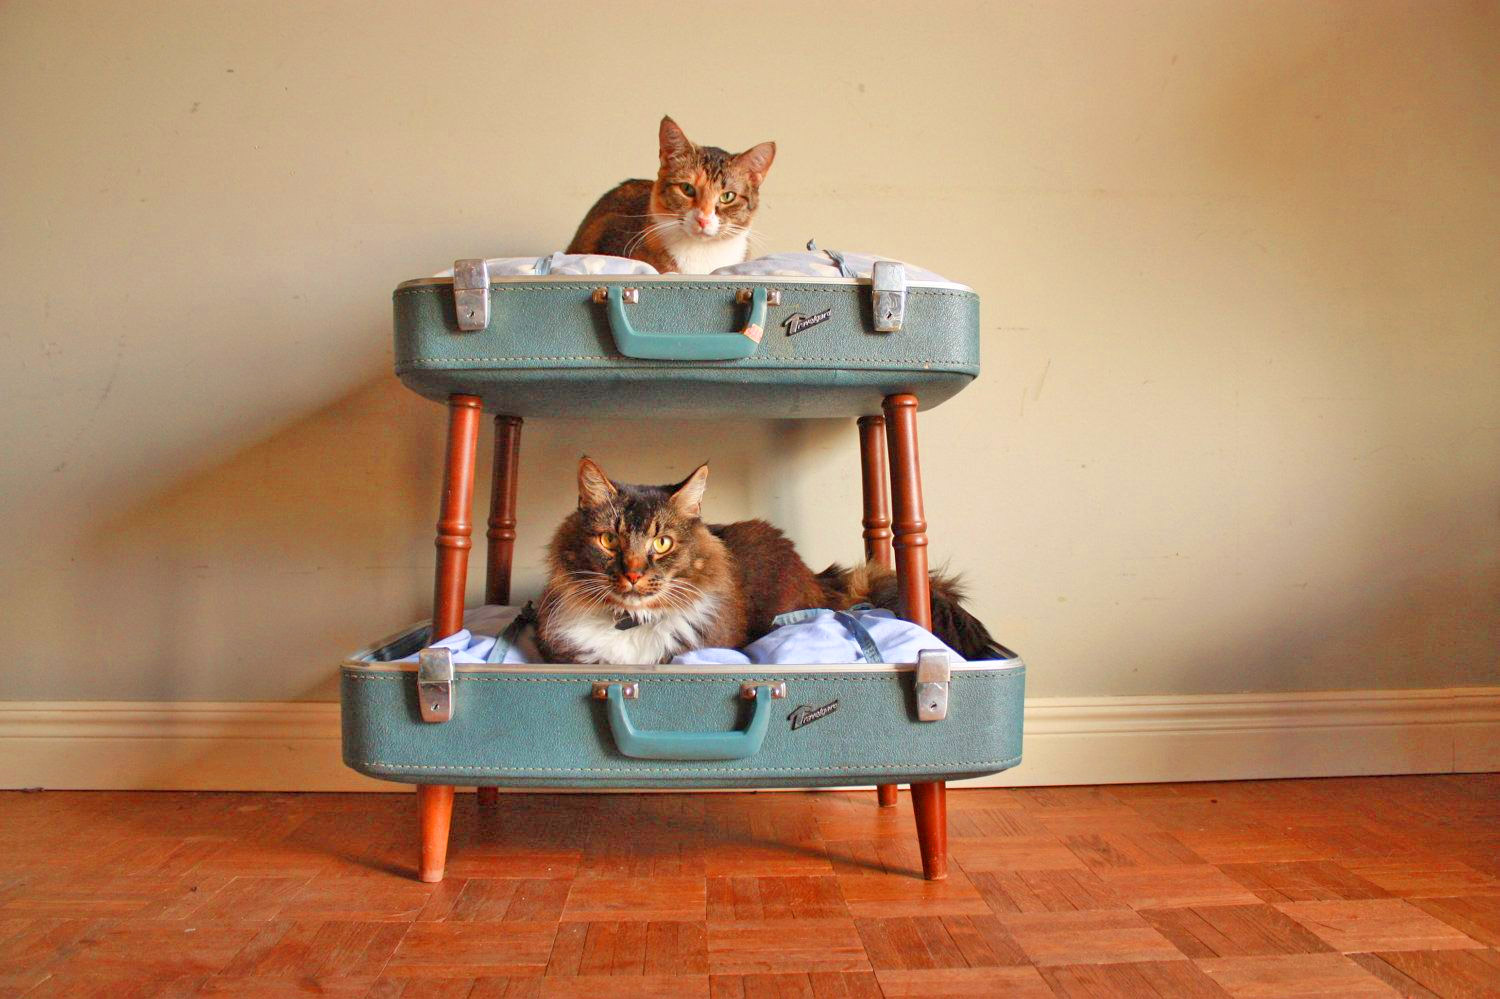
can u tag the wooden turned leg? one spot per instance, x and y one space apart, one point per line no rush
874 475
454 527
502 525
501 534
876 521
435 803
929 800
909 524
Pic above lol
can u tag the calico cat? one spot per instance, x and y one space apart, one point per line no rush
695 217
636 577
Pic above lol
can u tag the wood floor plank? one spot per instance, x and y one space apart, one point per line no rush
909 895
1376 924
1293 976
648 899
1045 891
1446 974
1302 881
1234 931
751 947
1436 877
1105 936
1196 884
1165 979
472 950
965 983
1345 887
1476 915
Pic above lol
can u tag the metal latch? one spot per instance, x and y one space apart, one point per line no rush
933 675
471 294
435 684
888 290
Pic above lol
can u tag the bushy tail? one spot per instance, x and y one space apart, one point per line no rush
874 584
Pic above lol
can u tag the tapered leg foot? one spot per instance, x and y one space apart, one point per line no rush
886 795
489 797
930 802
435 804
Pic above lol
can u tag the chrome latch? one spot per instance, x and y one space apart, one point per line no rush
630 296
435 684
888 291
746 295
933 674
778 690
471 294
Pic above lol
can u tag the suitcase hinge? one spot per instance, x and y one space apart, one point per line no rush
471 294
933 675
435 684
888 290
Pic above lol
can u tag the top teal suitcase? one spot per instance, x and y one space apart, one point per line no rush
771 347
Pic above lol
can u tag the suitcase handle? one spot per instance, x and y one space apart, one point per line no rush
668 745
683 346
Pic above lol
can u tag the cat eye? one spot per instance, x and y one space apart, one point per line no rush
608 541
689 190
726 197
661 545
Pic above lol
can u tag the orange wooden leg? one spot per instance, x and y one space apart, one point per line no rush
454 527
876 521
502 525
501 534
929 799
435 803
874 476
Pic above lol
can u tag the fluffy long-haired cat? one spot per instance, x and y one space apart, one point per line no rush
693 218
637 577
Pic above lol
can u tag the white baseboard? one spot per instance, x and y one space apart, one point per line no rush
294 746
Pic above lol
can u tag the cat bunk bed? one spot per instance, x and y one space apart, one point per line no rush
791 336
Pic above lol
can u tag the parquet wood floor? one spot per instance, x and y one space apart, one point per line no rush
1349 887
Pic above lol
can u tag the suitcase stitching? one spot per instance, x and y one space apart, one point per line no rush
840 677
584 284
926 362
903 768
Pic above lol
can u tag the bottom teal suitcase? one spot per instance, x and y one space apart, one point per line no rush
435 722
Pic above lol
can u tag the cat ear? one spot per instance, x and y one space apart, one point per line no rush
688 495
757 161
674 143
594 487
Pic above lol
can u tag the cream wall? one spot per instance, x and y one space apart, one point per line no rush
1239 422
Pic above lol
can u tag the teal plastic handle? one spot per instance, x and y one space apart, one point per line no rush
686 346
663 745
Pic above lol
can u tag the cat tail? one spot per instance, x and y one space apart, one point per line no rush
875 584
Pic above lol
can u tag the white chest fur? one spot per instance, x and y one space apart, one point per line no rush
653 640
702 256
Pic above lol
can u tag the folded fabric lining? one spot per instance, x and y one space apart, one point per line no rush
815 263
809 637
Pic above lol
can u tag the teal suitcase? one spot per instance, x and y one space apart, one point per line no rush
676 726
771 347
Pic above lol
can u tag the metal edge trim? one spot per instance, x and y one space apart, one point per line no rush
365 666
595 279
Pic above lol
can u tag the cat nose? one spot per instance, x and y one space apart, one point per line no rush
631 576
704 221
